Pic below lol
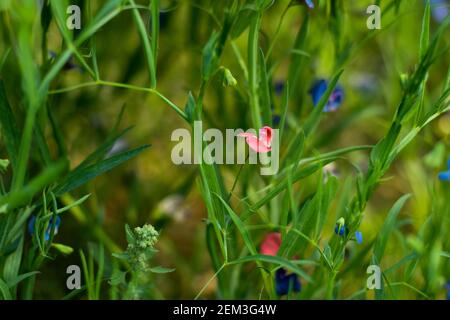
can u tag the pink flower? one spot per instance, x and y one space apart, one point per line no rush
271 244
261 144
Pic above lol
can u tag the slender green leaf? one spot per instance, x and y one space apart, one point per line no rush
8 125
23 195
388 227
20 278
5 290
80 177
275 260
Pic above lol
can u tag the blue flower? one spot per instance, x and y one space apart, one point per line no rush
310 4
276 119
341 229
439 9
359 237
448 290
285 282
278 87
32 222
317 91
445 175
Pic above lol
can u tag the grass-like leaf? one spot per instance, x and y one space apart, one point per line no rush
388 227
80 177
275 260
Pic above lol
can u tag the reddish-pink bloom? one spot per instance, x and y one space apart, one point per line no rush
271 244
261 144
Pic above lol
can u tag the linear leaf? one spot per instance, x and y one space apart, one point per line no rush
80 177
20 278
22 196
387 228
241 227
5 290
276 260
8 125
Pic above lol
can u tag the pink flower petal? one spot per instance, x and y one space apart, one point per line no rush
261 145
271 244
265 135
257 145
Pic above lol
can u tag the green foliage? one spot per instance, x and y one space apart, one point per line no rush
388 140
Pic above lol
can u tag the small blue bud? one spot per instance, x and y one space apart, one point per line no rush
278 87
310 4
32 223
359 237
340 230
445 175
448 290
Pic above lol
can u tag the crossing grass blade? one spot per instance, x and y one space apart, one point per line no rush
5 290
149 54
296 66
240 226
313 119
265 92
80 177
45 107
274 260
21 197
388 227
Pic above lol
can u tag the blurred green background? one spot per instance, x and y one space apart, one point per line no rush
151 189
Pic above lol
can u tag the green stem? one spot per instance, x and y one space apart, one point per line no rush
65 56
155 30
253 70
24 149
215 275
237 177
149 53
93 46
277 33
330 285
199 106
124 86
